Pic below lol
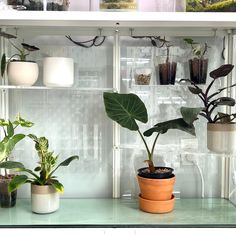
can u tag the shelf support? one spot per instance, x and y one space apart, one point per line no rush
116 127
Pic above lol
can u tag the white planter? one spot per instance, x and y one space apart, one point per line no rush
58 72
221 138
44 199
22 73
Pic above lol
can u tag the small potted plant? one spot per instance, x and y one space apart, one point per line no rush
156 183
45 187
198 65
221 130
166 65
20 71
7 144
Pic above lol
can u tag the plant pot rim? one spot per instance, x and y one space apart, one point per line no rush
14 61
156 201
42 189
231 126
165 175
172 178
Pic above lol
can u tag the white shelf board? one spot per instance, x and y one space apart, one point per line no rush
54 88
117 19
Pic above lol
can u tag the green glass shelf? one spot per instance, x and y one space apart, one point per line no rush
121 213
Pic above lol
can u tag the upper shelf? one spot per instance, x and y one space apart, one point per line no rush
118 20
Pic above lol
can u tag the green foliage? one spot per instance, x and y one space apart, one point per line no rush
10 139
125 109
43 173
210 6
198 50
3 64
22 54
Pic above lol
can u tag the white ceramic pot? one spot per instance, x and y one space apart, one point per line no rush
22 73
44 199
221 138
58 72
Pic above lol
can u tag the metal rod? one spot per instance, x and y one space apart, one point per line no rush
116 127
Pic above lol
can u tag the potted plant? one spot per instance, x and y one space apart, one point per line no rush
7 144
155 182
198 64
20 71
166 65
45 187
221 131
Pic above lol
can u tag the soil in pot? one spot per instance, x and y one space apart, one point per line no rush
198 70
7 199
160 173
167 73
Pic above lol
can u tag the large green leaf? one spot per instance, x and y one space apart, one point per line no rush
65 163
10 129
57 185
221 71
125 109
3 64
163 127
11 165
17 138
224 101
16 182
190 114
194 90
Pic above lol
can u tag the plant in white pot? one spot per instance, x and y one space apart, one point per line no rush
45 187
7 145
221 130
155 182
20 71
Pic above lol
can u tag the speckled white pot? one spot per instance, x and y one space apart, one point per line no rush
44 199
22 73
221 138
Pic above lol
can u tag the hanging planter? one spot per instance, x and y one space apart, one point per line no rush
198 65
58 72
221 138
166 67
44 199
198 70
221 131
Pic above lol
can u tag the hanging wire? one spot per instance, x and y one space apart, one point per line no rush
96 41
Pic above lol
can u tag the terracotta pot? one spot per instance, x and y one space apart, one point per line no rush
7 199
156 206
221 138
22 73
44 199
156 189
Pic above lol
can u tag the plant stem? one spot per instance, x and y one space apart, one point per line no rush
148 151
153 146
